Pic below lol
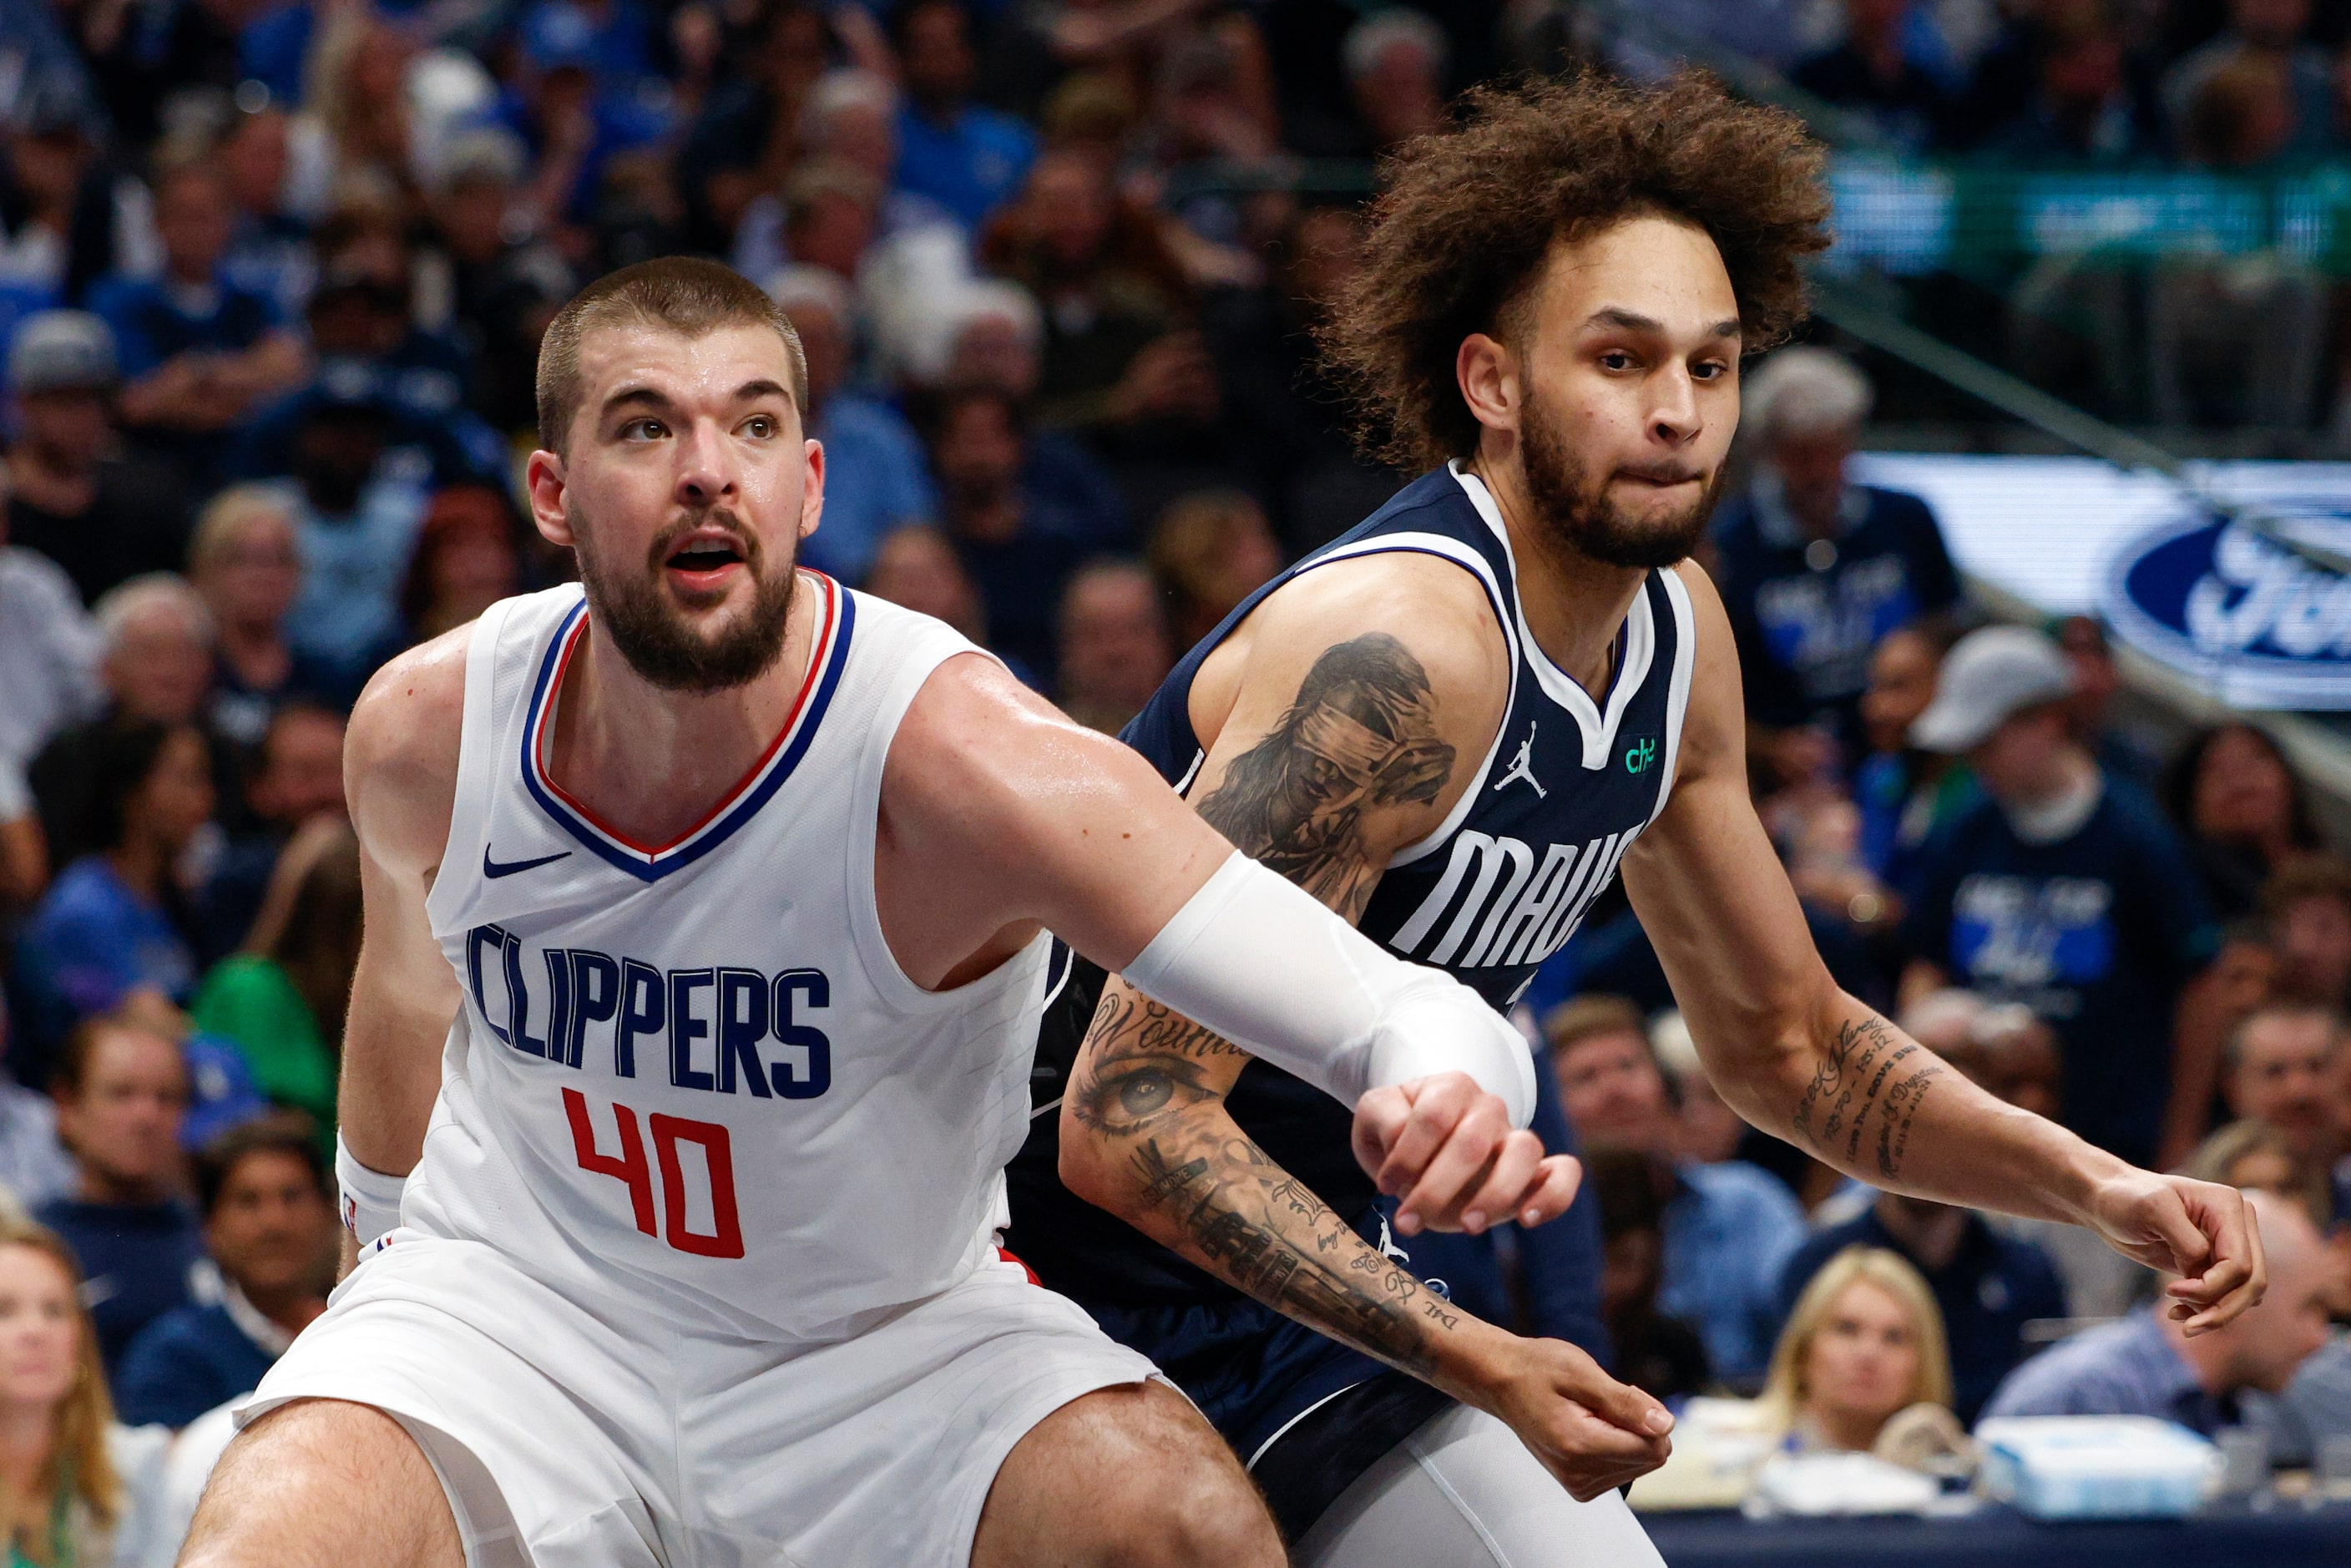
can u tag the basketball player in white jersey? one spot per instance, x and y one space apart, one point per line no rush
1451 725
678 1244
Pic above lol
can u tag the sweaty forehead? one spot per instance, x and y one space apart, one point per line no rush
688 371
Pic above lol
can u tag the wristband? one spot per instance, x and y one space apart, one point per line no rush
371 1199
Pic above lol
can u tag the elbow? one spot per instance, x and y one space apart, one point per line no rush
1085 1168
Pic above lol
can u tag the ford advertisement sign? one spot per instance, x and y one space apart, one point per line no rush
2264 625
2259 624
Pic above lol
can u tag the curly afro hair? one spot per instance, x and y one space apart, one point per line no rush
1471 212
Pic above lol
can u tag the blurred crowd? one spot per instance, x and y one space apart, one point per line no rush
272 279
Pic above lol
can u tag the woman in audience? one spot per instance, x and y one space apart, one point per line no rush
465 561
1211 549
2243 810
118 920
77 1488
281 1000
1865 1343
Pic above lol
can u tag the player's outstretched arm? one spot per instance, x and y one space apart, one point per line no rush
400 774
1798 1056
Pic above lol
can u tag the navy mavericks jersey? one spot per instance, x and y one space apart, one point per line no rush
1561 795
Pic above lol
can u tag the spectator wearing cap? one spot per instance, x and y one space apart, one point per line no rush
358 501
199 351
2065 890
967 159
1816 569
874 477
269 1229
103 512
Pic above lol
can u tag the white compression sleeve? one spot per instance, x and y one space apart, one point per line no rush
1254 958
371 1205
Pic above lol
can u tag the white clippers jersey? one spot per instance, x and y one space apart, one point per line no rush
694 1073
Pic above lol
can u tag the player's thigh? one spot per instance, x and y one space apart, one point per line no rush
1464 1491
1131 1475
322 1483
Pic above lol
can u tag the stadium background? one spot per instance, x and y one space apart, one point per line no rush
271 282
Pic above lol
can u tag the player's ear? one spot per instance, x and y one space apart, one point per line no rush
812 497
543 477
1488 374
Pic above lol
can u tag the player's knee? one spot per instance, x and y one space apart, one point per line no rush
1197 1511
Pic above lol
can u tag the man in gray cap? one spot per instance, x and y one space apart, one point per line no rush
2065 890
102 512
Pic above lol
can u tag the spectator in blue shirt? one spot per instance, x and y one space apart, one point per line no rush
116 921
874 477
358 502
1816 570
1988 1285
122 1093
2144 1365
2065 890
967 159
1728 1227
199 351
270 1227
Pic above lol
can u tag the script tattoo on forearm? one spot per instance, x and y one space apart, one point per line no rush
1261 1230
1360 735
1856 1076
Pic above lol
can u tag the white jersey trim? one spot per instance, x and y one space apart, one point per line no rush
1598 728
1678 694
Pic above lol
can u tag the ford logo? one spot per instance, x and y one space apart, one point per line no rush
2265 626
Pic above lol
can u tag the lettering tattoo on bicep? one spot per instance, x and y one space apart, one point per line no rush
1361 734
1851 1081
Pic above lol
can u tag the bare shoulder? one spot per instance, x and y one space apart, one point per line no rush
1427 616
974 733
400 755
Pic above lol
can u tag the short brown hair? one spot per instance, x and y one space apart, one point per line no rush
2306 876
1589 1017
685 294
1472 211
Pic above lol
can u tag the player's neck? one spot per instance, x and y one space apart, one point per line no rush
1574 605
650 762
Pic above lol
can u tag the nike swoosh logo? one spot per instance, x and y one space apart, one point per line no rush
494 868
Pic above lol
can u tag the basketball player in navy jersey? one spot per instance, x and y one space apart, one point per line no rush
692 1030
1454 726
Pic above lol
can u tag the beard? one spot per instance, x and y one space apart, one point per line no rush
657 639
1576 512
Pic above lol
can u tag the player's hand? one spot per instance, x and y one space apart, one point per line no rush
1446 1149
1592 1432
2204 1233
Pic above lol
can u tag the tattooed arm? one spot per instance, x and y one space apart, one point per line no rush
1329 754
1798 1056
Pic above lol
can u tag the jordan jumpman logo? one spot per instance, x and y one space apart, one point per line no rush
1523 766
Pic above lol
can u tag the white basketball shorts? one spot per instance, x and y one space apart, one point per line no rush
571 1435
